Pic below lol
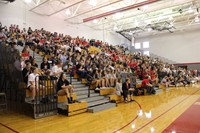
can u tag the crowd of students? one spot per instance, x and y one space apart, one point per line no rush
103 66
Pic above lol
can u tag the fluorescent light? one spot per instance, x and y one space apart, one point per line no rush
118 15
130 33
95 21
196 19
145 7
115 28
190 10
148 21
136 23
173 131
149 29
171 18
93 2
28 1
67 12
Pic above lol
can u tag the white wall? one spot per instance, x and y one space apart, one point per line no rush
17 13
182 47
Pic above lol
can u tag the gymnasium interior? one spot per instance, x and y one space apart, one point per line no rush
99 66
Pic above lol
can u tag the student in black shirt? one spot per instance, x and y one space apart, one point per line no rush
26 71
64 87
45 65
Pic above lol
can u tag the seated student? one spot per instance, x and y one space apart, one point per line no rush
97 77
127 90
33 63
113 78
57 69
107 78
26 71
146 85
45 65
119 87
81 71
64 88
165 82
32 84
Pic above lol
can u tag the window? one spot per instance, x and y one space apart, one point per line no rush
137 45
146 53
145 44
133 41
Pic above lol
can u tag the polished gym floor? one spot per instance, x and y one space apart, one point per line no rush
175 110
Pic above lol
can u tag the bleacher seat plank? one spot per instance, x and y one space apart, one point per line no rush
107 91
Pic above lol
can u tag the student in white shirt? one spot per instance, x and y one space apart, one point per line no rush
32 83
57 69
119 87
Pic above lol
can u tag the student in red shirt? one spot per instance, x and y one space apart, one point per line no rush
146 85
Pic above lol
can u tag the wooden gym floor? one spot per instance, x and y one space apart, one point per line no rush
172 111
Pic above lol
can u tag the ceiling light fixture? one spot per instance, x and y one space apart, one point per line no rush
190 10
196 19
28 1
136 23
67 12
93 2
145 7
171 18
148 21
95 21
115 28
118 15
149 29
130 33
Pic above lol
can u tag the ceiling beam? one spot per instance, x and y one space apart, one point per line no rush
94 9
66 7
120 10
38 5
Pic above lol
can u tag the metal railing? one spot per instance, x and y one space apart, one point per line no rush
89 83
45 103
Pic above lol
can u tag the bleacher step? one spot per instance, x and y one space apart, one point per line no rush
101 107
84 92
81 89
78 85
86 96
92 99
99 102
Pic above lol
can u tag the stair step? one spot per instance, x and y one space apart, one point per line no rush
101 107
79 85
92 99
82 97
99 102
81 89
85 92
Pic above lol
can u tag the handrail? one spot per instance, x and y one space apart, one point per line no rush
89 84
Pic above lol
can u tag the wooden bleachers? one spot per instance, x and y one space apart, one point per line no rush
107 91
77 108
62 99
117 98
